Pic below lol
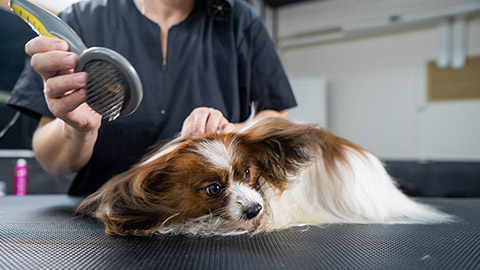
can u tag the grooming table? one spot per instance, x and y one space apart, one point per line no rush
40 232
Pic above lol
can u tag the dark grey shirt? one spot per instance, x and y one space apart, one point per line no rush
224 65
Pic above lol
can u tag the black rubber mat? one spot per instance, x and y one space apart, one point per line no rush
40 232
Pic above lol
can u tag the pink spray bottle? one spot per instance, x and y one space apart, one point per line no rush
20 188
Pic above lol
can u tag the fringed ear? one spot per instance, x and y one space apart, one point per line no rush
129 202
280 148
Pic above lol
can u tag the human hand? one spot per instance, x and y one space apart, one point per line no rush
64 90
204 120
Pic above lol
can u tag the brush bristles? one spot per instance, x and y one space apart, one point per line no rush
106 88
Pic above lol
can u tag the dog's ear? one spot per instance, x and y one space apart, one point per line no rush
280 148
129 202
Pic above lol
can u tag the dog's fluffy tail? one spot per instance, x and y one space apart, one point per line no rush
356 190
370 195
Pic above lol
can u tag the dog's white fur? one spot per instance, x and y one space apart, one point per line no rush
368 196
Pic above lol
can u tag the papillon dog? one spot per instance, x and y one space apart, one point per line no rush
272 175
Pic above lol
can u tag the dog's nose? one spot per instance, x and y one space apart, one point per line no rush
252 210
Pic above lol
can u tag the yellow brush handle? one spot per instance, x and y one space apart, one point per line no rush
31 20
47 24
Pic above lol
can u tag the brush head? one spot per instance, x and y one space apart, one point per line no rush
113 86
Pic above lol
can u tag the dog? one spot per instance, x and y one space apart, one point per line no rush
272 175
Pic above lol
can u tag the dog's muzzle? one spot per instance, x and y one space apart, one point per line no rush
252 210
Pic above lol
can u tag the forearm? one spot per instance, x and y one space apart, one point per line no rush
61 149
271 113
263 114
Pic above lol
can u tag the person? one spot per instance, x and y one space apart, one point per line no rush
200 71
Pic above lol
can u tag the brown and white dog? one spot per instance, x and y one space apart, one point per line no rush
272 175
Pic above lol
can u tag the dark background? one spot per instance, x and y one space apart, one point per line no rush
15 33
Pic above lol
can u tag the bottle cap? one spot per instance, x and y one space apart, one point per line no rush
21 162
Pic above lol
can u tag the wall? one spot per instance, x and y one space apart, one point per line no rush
311 95
377 89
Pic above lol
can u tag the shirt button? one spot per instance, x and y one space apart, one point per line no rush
162 112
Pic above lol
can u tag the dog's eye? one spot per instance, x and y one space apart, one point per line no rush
246 174
214 190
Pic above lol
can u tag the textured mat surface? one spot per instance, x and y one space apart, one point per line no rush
40 232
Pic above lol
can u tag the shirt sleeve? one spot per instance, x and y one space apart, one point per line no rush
266 79
27 94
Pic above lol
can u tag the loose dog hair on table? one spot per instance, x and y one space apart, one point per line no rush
272 175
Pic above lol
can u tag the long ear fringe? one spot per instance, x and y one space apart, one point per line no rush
281 148
87 207
125 205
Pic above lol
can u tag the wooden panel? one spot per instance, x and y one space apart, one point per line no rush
454 84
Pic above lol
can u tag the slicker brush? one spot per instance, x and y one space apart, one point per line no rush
113 86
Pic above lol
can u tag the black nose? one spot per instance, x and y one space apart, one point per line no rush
252 211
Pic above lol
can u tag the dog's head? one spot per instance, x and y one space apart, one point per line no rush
212 181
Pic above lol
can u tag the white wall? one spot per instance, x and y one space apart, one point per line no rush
377 88
311 96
